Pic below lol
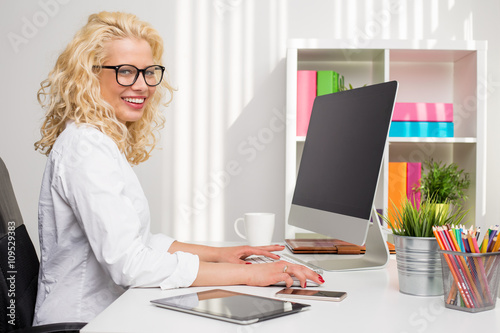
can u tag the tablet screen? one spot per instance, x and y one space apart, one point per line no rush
230 306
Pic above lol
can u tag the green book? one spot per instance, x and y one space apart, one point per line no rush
328 82
335 84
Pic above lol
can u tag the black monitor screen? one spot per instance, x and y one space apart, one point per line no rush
343 150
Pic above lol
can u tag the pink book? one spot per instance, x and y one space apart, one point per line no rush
306 92
423 112
414 172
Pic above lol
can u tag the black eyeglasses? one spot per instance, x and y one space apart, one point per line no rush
126 75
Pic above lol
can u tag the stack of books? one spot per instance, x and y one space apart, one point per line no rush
309 85
422 120
404 177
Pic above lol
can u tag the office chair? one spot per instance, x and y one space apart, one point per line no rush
19 268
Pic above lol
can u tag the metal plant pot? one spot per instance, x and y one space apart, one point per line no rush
419 266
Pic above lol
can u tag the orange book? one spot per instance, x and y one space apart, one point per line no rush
397 187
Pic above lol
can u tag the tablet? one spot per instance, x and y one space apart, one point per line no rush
230 306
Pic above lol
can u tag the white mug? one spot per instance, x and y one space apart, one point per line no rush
259 228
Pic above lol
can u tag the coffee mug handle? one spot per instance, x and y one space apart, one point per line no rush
236 227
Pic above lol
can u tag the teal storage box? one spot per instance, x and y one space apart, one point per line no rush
421 129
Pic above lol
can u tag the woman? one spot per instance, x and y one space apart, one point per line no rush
102 101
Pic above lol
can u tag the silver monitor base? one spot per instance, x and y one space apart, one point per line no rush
375 257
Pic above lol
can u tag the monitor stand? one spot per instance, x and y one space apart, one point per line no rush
376 255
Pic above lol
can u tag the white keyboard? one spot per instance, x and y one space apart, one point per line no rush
285 257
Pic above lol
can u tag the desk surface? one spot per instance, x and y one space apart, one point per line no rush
374 303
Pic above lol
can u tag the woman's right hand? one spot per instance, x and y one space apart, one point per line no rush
225 274
271 273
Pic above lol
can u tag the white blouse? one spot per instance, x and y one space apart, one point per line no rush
94 229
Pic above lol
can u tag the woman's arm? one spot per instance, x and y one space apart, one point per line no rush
233 255
221 274
110 209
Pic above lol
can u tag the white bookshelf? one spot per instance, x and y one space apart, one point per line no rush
427 71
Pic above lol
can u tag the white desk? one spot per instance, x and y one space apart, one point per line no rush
373 304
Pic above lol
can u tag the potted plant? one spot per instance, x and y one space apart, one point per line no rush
444 183
418 260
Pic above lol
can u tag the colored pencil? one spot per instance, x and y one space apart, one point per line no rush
459 279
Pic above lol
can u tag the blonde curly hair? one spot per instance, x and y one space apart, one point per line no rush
72 90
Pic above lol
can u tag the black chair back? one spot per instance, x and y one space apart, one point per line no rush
18 262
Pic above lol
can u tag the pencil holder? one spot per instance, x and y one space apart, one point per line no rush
470 280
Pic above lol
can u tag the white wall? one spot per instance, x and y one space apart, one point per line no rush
222 150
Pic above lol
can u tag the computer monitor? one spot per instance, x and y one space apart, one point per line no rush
339 171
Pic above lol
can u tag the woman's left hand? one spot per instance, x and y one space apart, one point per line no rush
237 254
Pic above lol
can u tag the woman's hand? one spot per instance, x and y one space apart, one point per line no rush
233 255
268 274
237 254
223 274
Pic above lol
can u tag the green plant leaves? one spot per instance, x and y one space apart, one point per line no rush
446 183
408 220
